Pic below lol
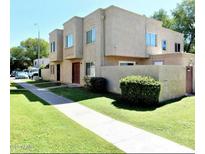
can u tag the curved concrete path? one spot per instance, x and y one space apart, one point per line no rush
124 136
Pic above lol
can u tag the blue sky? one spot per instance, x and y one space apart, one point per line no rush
51 14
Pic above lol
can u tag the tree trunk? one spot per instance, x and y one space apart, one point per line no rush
190 43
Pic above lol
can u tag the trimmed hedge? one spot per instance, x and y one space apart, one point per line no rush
140 90
96 84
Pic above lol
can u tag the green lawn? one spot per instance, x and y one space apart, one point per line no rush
45 85
34 81
15 86
39 127
175 120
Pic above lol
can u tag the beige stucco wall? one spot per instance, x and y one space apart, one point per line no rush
114 60
93 52
45 74
170 36
120 36
66 73
173 81
124 33
73 26
184 59
53 77
172 78
57 36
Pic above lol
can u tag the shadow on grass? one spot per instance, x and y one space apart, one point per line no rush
80 94
37 81
45 85
76 94
123 104
31 97
15 85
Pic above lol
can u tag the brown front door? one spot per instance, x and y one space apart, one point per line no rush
189 79
76 72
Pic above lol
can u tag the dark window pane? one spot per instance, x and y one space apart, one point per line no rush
51 47
87 68
89 37
175 47
164 45
54 46
178 47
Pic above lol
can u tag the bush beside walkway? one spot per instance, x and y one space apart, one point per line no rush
174 121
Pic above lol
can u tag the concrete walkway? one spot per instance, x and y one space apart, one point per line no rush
124 136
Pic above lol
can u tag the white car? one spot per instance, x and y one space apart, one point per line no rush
21 75
33 72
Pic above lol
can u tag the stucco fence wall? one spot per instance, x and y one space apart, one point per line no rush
172 78
45 74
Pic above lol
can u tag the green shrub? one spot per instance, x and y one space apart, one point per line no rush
140 90
87 82
96 84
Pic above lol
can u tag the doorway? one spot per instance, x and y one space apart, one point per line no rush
58 72
76 72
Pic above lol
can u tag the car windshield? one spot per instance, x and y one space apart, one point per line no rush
21 73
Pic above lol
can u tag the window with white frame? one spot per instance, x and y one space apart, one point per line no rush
90 69
53 46
69 41
159 62
151 39
91 36
127 63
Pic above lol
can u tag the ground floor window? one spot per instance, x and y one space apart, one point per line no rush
126 63
160 62
164 45
177 47
90 69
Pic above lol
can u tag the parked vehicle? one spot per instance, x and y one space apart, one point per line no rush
13 74
33 72
21 75
26 71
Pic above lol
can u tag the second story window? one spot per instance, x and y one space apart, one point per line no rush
164 45
177 47
53 46
151 39
69 41
91 36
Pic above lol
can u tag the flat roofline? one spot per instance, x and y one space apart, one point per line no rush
74 17
140 57
172 30
132 13
57 29
173 54
93 12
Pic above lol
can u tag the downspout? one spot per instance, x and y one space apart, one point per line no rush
103 39
145 35
102 54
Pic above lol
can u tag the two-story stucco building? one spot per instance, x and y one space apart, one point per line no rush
109 37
